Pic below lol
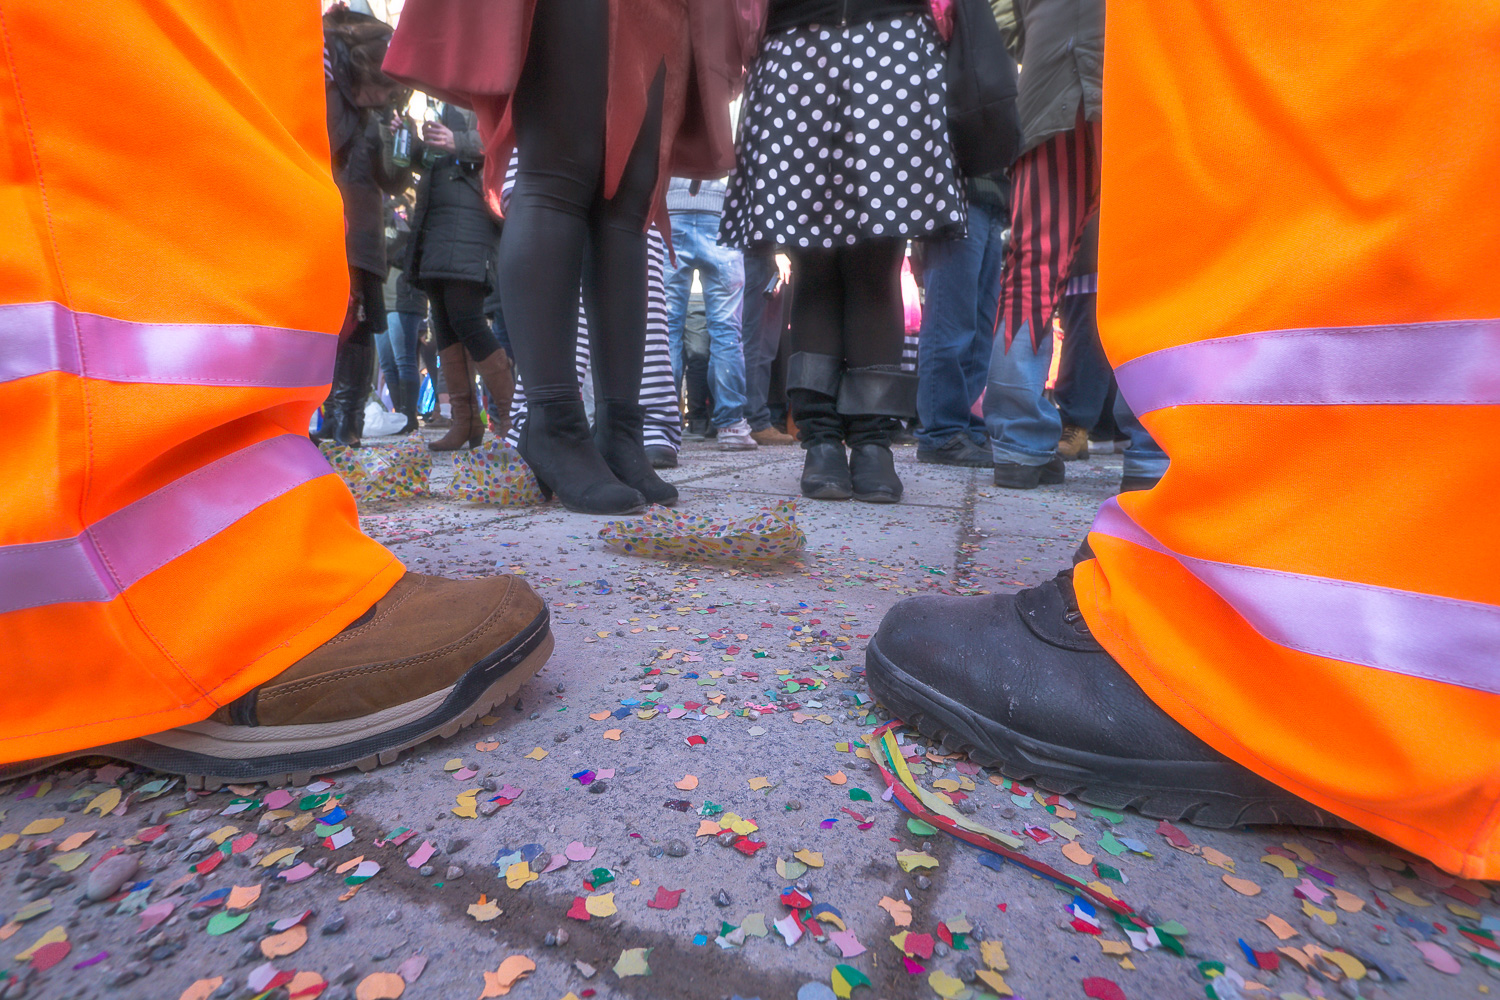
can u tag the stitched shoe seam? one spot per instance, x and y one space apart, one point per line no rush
379 615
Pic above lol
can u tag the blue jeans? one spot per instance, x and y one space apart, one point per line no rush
1084 376
762 335
962 282
397 347
721 271
1024 424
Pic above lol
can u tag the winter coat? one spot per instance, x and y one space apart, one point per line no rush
453 234
1062 65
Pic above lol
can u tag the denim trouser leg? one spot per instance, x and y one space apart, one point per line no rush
962 279
679 288
761 335
721 272
1024 426
397 347
1144 456
1084 373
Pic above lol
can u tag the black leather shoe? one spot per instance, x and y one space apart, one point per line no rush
619 426
556 443
960 449
1013 475
825 472
872 474
661 456
1018 682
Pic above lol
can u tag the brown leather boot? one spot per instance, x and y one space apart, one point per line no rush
428 659
500 379
466 426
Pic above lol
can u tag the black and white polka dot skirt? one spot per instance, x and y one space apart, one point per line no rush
844 137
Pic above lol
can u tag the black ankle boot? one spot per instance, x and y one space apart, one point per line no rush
351 388
872 401
812 386
556 443
406 403
1018 681
618 429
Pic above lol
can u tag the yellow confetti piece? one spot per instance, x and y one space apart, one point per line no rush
1297 955
454 764
947 784
104 802
688 783
1065 830
467 806
69 861
900 912
1327 916
945 985
38 827
1218 859
279 855
1350 903
53 936
1405 894
519 874
1126 963
8 840
993 953
1243 886
837 777
242 897
536 754
1460 910
1303 854
1351 966
300 823
1114 947
908 860
1279 927
602 905
613 734
485 910
75 841
995 981
811 859
1076 854
1102 889
1286 866
756 784
223 833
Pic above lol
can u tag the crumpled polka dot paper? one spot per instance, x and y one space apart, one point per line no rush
382 472
664 534
494 473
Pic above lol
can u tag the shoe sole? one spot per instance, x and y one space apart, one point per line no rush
1203 793
828 493
876 498
208 761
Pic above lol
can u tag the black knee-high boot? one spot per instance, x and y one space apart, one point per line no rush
812 386
619 426
871 400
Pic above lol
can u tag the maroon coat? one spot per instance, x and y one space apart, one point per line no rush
470 52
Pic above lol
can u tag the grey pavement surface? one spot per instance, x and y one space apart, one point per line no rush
738 627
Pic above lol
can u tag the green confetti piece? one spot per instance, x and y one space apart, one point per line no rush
312 801
920 828
324 830
223 922
1173 928
846 978
709 808
1110 844
1107 814
601 876
1171 943
1105 871
726 929
859 795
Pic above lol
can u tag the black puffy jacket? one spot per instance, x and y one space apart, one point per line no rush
453 233
784 14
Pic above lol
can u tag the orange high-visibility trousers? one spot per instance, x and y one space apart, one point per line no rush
171 280
1298 288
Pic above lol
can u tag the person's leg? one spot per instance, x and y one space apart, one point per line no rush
722 274
402 336
1083 374
975 362
463 308
1145 462
874 394
173 601
952 275
679 288
353 369
466 429
660 400
385 350
814 371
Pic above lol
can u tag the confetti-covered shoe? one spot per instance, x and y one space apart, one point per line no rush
428 659
1018 682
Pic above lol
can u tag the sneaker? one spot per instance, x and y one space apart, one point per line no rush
768 436
1015 476
960 449
428 659
1074 444
661 456
737 437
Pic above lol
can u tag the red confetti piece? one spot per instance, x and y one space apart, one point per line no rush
1084 927
945 935
919 945
150 833
1102 989
209 863
696 741
666 899
1176 838
1268 960
748 847
579 909
49 955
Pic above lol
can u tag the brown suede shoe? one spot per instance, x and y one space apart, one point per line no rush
771 436
428 659
1074 444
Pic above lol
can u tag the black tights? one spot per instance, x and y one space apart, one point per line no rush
458 317
847 302
559 228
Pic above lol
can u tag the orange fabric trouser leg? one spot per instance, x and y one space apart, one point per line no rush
1298 290
171 278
